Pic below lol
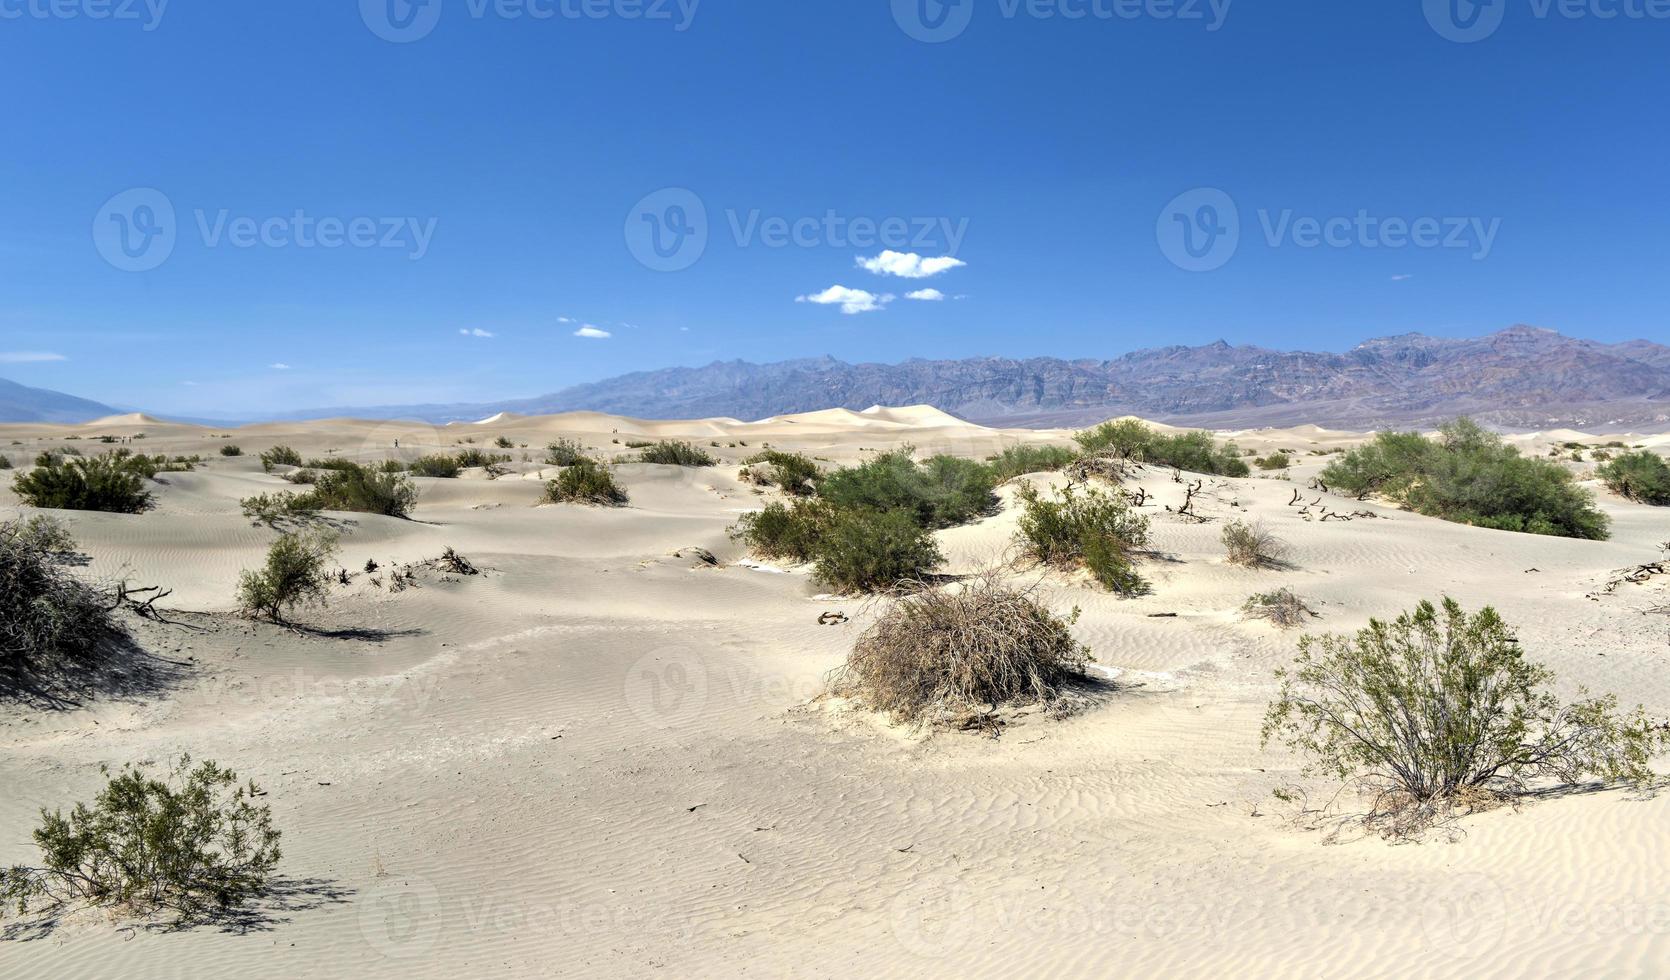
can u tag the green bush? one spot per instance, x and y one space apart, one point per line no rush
5 462
1643 477
113 483
793 472
479 459
677 454
585 482
873 551
1440 702
364 491
276 508
1021 460
1196 452
48 617
564 452
1089 529
192 843
792 532
1274 461
504 443
1470 476
280 456
439 466
231 450
1125 438
942 492
296 573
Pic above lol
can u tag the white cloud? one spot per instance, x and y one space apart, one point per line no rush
279 366
909 265
851 301
1401 278
592 333
927 295
29 357
477 332
564 319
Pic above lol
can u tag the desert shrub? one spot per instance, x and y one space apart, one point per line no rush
586 482
669 453
1470 476
480 459
305 478
1252 545
865 550
1274 461
439 466
1282 607
272 509
1439 703
1643 477
785 531
192 843
1084 529
1196 452
1124 438
48 617
942 492
113 483
332 463
947 654
364 491
1021 460
296 573
504 443
5 462
231 450
792 472
280 456
564 452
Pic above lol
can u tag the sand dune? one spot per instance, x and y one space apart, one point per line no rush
606 757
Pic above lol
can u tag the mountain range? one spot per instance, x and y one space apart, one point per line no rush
1521 377
22 404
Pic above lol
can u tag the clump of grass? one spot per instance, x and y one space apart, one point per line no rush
480 459
1252 545
504 443
296 573
1641 476
1282 607
669 453
113 483
192 843
1470 476
1084 529
1438 704
1279 460
359 490
942 655
280 456
585 482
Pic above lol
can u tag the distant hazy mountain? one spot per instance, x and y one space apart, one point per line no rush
21 404
1520 377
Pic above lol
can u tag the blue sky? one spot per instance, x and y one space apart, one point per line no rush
1086 172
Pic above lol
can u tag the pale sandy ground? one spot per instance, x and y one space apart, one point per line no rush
601 760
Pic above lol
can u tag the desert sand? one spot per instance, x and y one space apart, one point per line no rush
607 757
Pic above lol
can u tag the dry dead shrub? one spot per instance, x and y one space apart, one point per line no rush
1253 546
1282 607
944 655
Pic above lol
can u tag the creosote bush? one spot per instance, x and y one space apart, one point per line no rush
1084 529
1470 476
280 456
1438 704
941 655
193 843
113 483
357 489
792 531
480 459
273 509
1021 460
865 550
564 452
1196 452
438 466
793 473
585 482
231 450
669 453
1642 476
49 619
296 573
943 491
1252 545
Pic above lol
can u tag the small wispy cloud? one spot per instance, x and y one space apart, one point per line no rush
909 265
476 332
1401 278
29 357
592 333
851 301
281 366
564 319
927 295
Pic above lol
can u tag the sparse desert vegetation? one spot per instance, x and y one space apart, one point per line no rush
1282 608
280 456
1252 545
296 573
1195 452
113 482
1085 528
671 453
586 482
49 618
1640 476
